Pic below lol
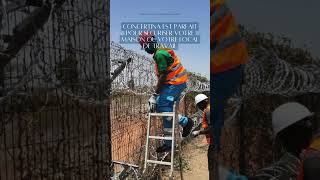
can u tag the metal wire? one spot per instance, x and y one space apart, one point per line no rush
276 73
54 90
131 90
266 73
139 76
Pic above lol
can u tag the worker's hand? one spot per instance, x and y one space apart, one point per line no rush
195 133
152 102
226 174
183 120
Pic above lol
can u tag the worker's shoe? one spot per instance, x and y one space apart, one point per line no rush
188 128
163 148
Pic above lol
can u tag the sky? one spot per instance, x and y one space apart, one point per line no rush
195 57
296 19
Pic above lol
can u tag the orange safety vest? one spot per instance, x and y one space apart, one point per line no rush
313 149
204 124
176 72
227 48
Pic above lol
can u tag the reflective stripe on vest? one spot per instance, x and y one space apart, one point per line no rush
176 67
176 73
178 76
226 42
227 49
219 14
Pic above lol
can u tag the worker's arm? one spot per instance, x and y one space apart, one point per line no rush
161 81
286 167
163 60
206 130
208 127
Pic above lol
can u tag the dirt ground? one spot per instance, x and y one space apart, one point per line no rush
195 155
194 161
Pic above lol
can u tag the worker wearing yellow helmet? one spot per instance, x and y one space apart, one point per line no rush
228 55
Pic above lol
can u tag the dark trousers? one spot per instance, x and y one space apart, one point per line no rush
212 165
223 85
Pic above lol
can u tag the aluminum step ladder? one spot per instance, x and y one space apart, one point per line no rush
172 138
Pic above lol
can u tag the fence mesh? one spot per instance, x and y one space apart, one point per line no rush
54 89
277 73
131 89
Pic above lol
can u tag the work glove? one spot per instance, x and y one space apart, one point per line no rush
152 102
195 133
183 120
226 174
187 125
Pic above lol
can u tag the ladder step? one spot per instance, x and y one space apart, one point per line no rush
159 162
160 137
166 114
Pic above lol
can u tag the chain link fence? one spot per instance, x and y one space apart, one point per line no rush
54 90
